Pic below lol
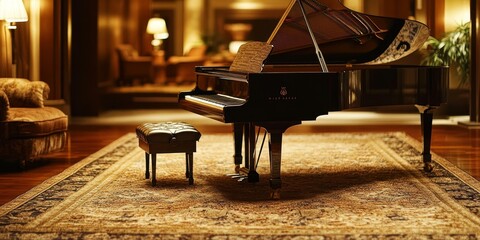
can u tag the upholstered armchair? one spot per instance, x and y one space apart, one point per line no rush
133 66
181 69
28 129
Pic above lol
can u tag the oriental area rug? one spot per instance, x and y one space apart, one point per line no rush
335 186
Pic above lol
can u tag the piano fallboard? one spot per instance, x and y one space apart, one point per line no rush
272 96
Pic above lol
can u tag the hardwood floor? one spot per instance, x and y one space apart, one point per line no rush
459 145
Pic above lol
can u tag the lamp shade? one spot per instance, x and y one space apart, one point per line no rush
157 27
13 11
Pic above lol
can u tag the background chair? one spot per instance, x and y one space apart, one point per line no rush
181 69
132 66
28 129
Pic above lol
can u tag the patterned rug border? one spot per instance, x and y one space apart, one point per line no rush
426 182
35 191
459 173
469 194
442 168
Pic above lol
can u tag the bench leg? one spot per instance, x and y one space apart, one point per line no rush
187 168
154 169
147 164
189 164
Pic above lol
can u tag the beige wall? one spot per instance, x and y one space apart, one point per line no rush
456 12
194 21
356 5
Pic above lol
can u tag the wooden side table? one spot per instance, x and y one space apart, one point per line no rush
159 67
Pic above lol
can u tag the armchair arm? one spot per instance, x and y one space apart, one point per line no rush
23 92
4 106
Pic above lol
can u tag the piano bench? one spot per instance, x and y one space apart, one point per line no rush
168 137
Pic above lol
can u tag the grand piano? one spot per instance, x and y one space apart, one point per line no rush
320 58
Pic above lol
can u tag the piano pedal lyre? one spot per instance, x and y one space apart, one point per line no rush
245 174
239 175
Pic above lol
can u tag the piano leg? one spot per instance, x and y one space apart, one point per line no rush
275 150
275 133
237 139
246 137
426 119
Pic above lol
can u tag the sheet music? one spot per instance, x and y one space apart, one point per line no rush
250 57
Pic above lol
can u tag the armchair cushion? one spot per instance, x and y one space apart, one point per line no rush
30 122
23 92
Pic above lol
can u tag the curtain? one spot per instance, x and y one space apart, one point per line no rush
5 53
22 37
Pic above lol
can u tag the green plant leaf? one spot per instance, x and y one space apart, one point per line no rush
452 49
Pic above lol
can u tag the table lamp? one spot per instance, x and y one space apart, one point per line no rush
158 28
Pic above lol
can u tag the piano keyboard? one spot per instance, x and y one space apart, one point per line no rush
217 101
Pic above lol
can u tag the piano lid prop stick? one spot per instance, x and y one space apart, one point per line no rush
317 49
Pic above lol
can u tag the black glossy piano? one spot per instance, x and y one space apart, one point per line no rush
322 58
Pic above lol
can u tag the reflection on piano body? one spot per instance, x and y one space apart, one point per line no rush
292 87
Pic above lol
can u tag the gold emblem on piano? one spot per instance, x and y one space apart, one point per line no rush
283 96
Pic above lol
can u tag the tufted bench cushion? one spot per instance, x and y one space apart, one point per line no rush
168 132
168 137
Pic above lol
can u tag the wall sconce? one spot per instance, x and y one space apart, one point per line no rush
158 28
13 11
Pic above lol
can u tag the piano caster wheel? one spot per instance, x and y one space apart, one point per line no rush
275 194
428 167
237 168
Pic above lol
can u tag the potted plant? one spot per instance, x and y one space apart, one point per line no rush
453 50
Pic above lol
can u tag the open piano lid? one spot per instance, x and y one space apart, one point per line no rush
343 36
